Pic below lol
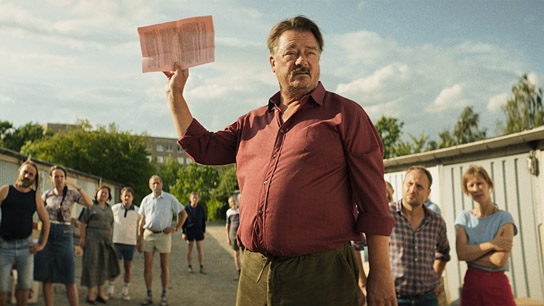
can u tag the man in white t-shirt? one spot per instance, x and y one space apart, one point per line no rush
125 235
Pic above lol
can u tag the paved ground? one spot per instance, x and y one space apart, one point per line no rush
217 287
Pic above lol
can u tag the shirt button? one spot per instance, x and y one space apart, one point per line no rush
282 131
265 182
260 212
275 155
415 259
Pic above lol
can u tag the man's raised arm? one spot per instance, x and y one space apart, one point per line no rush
178 106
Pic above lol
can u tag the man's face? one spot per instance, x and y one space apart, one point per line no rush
27 175
415 188
194 199
296 62
127 198
233 203
155 185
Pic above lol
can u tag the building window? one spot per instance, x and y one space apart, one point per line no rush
168 148
160 159
180 160
150 158
160 148
180 149
189 161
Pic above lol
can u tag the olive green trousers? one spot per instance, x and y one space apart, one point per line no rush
328 278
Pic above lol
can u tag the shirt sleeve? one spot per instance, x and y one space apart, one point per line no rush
85 215
184 225
442 245
204 217
210 148
506 217
364 157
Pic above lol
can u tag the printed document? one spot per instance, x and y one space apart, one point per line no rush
190 42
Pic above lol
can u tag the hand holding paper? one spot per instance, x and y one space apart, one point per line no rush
190 42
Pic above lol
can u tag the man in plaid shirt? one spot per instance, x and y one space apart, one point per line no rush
418 247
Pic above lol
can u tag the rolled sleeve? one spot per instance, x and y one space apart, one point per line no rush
366 171
443 246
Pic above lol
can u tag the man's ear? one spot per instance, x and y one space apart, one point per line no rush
273 63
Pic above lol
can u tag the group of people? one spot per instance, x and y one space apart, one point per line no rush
311 176
108 234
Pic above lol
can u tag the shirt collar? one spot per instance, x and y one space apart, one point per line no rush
158 197
398 207
130 208
317 95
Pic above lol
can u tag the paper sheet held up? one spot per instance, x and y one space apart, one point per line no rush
188 41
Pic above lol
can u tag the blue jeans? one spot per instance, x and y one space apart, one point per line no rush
427 299
18 252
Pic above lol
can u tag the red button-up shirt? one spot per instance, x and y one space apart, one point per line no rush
308 185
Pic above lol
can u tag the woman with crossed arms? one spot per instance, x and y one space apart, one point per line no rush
484 239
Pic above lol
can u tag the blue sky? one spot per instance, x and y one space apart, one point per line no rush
419 61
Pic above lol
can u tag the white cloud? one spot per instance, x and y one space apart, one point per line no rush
376 86
451 97
534 78
6 100
496 102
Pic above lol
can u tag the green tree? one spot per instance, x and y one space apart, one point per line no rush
389 129
169 171
446 140
15 138
104 152
228 183
466 129
195 177
419 143
524 110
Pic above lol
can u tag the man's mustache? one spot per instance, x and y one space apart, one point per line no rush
301 70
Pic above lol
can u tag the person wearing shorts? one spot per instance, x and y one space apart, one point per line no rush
154 233
125 229
18 202
194 229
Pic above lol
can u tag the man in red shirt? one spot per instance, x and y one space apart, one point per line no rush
310 169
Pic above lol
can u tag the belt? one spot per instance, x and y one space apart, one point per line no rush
273 257
58 222
155 232
414 296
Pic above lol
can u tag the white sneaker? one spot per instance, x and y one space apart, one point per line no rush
124 294
111 290
125 297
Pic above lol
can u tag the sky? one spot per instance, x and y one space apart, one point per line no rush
422 62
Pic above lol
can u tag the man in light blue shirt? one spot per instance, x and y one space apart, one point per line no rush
154 233
433 206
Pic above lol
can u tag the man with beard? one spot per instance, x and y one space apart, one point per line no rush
18 203
310 169
419 247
